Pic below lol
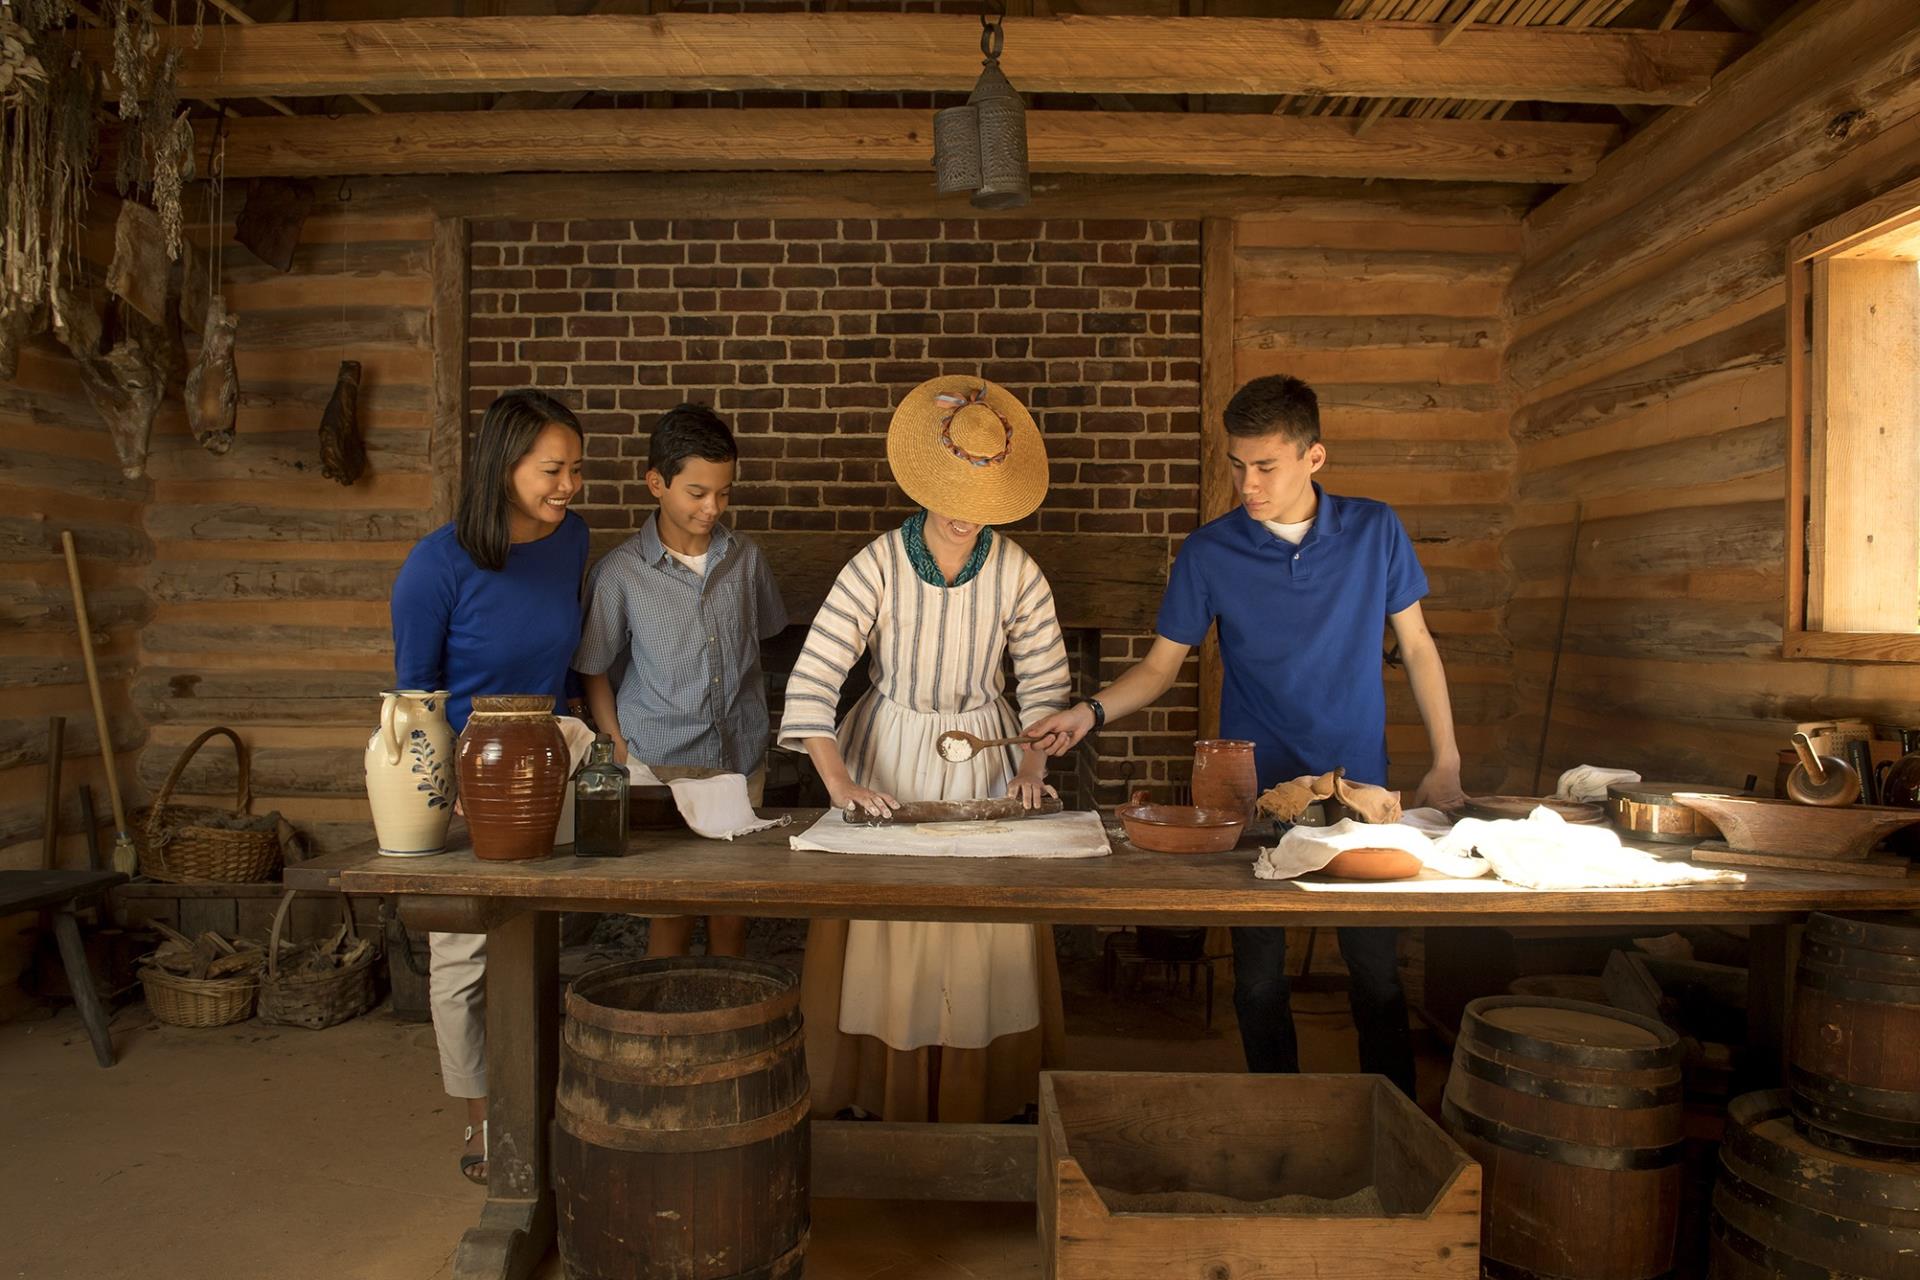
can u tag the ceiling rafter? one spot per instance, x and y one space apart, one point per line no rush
921 52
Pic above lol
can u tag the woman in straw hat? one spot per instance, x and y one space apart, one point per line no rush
915 1021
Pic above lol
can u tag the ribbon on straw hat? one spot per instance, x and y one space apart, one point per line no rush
967 448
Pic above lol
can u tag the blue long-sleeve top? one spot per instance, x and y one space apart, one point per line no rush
469 630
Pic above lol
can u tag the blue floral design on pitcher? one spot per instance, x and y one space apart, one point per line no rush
432 771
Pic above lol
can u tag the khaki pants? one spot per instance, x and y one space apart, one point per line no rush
457 993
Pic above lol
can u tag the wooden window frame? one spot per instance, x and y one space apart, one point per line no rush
1895 211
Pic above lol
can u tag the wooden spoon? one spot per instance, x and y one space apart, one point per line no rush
956 745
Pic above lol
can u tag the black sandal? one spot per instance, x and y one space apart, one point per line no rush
470 1162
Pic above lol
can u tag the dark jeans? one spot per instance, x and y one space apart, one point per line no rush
1262 994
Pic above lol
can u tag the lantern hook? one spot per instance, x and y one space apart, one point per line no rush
993 36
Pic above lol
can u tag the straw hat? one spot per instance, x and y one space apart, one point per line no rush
966 448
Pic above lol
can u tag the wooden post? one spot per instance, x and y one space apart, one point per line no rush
1217 379
446 446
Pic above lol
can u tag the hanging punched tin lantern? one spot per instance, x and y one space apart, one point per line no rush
982 147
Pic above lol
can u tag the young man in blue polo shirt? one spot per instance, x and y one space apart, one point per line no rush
1302 584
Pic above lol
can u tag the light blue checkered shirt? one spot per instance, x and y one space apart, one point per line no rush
684 648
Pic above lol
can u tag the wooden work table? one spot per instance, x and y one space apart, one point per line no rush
681 874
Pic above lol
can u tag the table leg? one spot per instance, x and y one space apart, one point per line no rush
73 957
516 1227
1770 960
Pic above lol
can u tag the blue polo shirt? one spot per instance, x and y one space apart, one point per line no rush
1300 631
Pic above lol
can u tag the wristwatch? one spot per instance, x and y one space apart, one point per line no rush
1099 715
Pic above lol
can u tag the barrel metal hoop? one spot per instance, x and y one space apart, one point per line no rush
1779 1265
1749 1156
1559 1150
1899 1106
1845 1234
668 1075
712 1138
1666 1054
1586 1095
582 1007
1902 994
1898 937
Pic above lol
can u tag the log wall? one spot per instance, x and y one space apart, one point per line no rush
1648 371
58 471
1392 310
269 582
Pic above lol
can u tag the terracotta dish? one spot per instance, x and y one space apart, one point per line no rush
1842 833
1179 828
1373 864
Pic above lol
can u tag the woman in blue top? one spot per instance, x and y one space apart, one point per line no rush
491 604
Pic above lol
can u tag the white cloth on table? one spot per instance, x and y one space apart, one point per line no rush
1544 851
1056 835
1307 849
719 808
1590 782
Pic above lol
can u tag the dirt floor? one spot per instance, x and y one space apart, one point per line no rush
258 1151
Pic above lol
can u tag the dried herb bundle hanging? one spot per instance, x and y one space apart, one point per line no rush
48 137
156 155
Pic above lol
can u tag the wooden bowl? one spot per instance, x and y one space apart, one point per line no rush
1179 828
1374 864
1647 811
1839 832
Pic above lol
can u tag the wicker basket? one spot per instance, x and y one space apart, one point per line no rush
179 846
199 1002
315 1000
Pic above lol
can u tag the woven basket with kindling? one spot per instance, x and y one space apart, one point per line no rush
192 843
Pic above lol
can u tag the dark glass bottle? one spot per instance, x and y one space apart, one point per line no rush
600 804
1900 779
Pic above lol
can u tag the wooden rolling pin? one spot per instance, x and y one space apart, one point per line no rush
953 811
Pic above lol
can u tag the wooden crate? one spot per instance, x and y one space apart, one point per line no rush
1251 1138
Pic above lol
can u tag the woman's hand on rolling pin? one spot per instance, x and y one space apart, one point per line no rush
1029 790
849 794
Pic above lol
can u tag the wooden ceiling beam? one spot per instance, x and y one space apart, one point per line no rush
921 52
607 141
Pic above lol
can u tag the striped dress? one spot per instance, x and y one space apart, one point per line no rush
937 656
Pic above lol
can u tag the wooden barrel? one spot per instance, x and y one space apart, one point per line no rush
680 1135
1789 1207
1574 1112
1854 1069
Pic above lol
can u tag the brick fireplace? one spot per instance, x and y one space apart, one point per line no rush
802 333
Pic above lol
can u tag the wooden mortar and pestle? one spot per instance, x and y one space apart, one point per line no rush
1821 780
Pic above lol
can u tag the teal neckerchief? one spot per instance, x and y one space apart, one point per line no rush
924 564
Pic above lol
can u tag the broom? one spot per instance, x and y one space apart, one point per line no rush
125 859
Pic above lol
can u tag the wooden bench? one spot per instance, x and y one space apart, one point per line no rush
60 892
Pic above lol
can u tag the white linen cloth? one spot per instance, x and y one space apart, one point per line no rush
1544 851
1590 782
718 808
1306 849
1056 835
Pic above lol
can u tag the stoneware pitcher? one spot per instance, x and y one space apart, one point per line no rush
410 773
513 768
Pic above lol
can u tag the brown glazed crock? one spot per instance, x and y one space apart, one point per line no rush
1224 777
513 767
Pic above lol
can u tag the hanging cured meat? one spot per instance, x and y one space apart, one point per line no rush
343 456
213 385
124 384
